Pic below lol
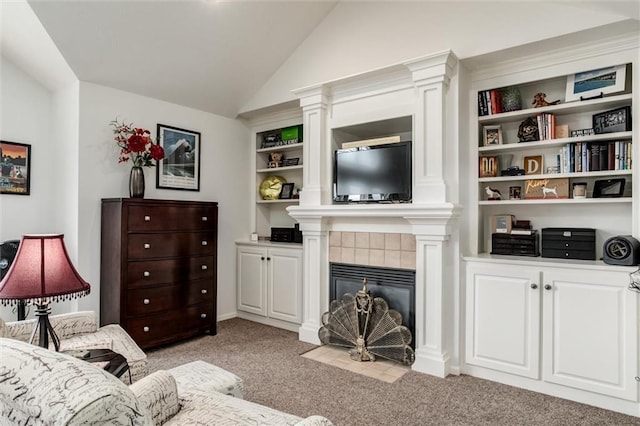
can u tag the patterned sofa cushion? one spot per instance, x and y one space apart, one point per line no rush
43 387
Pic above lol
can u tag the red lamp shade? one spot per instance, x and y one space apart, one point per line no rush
42 272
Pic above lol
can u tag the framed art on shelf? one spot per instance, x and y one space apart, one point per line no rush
492 135
488 166
616 120
180 168
287 191
594 83
15 168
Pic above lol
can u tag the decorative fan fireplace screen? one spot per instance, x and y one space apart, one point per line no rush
368 326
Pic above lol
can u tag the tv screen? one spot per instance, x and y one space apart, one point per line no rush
373 173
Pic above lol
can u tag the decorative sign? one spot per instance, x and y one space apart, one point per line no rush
533 165
548 189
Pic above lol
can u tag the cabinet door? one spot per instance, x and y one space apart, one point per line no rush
590 328
285 284
503 318
252 280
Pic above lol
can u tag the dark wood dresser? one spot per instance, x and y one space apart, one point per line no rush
158 268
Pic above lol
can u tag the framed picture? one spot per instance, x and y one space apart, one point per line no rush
616 120
180 168
286 192
15 168
488 166
594 83
492 135
546 189
502 223
532 165
608 188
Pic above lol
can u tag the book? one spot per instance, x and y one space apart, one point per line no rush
522 231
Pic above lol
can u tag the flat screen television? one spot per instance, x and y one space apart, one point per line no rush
379 173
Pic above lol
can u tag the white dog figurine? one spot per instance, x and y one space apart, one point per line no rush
493 194
546 191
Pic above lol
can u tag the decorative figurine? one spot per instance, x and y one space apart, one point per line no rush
493 194
275 160
528 130
540 101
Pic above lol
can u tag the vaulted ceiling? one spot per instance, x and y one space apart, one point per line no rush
212 55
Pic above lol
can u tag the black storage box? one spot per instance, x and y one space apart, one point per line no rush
282 235
569 243
517 245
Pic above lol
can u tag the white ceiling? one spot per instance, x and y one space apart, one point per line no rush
208 55
211 55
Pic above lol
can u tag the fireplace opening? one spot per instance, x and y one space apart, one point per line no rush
395 286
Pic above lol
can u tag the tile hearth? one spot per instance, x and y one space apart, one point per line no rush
381 369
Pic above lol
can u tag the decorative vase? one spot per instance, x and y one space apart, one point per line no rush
511 99
136 182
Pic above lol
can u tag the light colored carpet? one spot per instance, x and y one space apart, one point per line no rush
268 360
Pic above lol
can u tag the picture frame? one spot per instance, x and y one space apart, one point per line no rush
488 166
608 188
15 168
502 223
180 169
595 83
615 120
492 135
286 192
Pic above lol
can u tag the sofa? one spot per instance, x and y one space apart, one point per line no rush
43 387
79 330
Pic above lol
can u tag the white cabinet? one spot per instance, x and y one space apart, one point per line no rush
270 283
584 322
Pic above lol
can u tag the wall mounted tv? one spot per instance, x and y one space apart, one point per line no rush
378 173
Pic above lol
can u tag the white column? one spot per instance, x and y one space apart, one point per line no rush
314 109
431 76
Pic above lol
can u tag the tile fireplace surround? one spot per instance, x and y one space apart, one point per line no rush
373 249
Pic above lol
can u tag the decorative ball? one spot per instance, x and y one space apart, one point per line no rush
271 186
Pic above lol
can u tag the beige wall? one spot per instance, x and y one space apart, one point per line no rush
373 249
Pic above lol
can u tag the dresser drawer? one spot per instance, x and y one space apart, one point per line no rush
171 218
151 272
168 326
174 244
144 301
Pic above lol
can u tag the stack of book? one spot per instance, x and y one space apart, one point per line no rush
546 126
522 227
489 102
593 157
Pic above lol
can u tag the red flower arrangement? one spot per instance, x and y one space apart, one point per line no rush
136 145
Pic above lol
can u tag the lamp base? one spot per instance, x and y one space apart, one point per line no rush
44 326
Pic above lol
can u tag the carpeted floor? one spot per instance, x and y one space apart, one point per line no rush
268 360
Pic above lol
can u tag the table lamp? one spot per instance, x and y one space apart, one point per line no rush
40 274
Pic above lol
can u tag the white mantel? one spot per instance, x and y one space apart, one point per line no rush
424 89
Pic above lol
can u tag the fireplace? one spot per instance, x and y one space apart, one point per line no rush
396 286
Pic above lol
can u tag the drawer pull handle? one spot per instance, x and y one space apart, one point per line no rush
203 315
147 218
534 286
204 267
204 218
566 244
203 291
147 246
146 273
204 243
146 301
145 329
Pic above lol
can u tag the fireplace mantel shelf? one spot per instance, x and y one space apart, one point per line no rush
406 211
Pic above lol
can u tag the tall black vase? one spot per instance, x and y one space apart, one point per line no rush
136 182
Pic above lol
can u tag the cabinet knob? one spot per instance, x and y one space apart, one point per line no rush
547 286
147 218
204 218
146 273
261 257
204 267
534 286
147 245
203 315
145 329
204 243
268 258
146 301
203 291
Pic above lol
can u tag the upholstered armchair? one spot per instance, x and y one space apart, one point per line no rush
43 387
79 330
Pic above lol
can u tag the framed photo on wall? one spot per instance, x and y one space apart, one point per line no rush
15 168
589 84
180 168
